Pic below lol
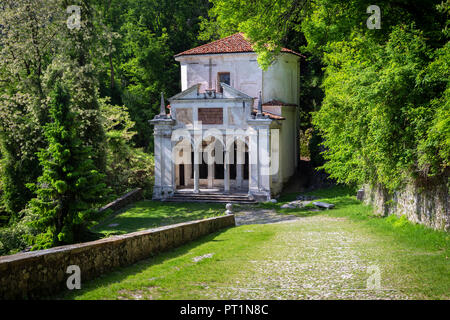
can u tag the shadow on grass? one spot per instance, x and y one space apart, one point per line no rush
120 274
152 214
340 196
339 191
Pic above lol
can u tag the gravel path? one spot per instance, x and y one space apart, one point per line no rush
261 217
317 257
273 256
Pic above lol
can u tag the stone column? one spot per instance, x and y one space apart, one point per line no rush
196 171
226 173
211 173
239 175
164 165
240 159
157 188
259 154
264 160
253 154
174 174
188 168
209 150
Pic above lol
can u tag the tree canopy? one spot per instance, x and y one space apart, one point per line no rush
385 109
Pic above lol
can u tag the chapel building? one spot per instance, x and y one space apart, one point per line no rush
233 130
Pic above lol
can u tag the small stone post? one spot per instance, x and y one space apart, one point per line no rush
259 114
360 195
229 208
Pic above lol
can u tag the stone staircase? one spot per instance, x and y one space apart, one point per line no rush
210 197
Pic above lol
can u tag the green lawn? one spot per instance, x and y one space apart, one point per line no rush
151 214
322 255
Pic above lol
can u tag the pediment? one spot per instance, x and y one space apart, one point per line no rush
232 93
192 93
188 94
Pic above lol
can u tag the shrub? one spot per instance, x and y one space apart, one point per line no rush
70 185
316 149
127 167
17 237
305 137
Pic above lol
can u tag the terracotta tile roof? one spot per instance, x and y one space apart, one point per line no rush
271 115
235 43
276 103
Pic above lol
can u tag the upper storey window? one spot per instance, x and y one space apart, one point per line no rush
223 77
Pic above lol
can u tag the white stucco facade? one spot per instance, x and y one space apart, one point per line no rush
211 119
279 82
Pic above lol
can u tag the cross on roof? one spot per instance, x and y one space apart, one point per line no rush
210 65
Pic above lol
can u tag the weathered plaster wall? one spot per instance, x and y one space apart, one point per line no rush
234 115
426 204
245 74
285 147
37 274
279 82
288 140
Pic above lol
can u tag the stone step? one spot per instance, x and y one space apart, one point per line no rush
210 197
323 205
247 201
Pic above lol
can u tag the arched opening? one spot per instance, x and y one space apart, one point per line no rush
238 165
215 164
183 164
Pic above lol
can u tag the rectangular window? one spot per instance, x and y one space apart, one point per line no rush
223 77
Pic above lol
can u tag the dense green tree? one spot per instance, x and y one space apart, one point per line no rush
385 108
70 184
268 24
385 111
38 48
381 108
127 167
27 41
140 64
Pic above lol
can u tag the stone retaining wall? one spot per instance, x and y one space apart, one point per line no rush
130 197
37 274
424 204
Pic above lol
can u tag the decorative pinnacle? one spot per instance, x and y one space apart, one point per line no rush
162 111
259 114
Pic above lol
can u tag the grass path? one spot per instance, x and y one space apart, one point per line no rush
326 255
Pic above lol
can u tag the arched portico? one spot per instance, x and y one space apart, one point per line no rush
214 164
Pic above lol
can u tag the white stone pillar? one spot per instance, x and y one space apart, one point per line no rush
209 151
168 168
164 166
259 154
157 188
240 159
253 161
211 173
264 160
188 167
196 171
239 175
226 171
